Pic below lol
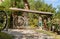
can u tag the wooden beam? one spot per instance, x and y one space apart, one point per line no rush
31 11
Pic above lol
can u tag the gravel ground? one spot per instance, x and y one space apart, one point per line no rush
27 34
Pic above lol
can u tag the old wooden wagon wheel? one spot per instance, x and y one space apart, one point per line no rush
21 22
3 20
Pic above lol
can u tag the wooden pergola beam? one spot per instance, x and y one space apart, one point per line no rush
31 11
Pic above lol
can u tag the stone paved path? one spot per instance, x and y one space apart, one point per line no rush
27 34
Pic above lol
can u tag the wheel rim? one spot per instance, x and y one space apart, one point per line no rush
3 20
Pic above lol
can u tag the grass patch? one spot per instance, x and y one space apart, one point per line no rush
5 36
49 33
46 32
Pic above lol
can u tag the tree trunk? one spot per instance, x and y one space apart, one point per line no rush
26 4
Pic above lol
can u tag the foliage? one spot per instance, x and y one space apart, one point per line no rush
34 5
53 23
1 25
6 3
5 36
33 19
49 24
18 3
56 16
10 3
41 6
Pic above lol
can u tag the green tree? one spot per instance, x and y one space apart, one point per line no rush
57 14
6 3
41 6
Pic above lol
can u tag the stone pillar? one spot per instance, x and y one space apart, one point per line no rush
40 21
49 19
25 21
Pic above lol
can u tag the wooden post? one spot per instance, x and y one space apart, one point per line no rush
45 26
13 14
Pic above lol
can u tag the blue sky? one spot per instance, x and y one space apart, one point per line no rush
54 3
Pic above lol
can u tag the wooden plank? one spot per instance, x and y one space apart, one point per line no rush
31 11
